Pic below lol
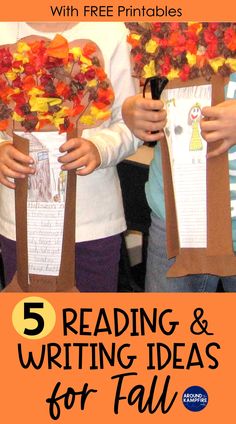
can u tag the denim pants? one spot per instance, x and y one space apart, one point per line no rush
158 265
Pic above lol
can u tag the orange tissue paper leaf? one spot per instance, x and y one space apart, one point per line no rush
89 49
58 47
100 105
75 110
42 123
201 60
28 82
4 124
101 74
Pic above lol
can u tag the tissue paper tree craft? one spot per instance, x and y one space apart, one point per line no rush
49 92
198 59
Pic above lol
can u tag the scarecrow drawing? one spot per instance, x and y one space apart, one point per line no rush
194 119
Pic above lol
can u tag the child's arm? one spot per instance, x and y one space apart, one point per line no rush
219 123
13 164
107 146
144 116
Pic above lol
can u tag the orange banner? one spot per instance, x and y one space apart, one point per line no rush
122 10
71 357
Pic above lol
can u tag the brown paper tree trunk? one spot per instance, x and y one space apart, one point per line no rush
218 258
66 279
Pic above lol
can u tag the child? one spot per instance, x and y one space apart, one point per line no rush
99 209
220 124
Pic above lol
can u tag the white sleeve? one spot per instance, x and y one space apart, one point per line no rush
117 142
4 137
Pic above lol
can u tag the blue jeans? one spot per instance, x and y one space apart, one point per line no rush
158 265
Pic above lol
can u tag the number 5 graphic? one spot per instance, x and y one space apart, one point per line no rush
33 317
29 314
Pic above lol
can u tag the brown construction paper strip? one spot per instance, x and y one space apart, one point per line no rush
172 236
218 258
21 219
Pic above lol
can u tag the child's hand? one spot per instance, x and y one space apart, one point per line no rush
143 115
219 124
80 153
13 164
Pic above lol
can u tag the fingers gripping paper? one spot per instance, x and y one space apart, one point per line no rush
197 195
